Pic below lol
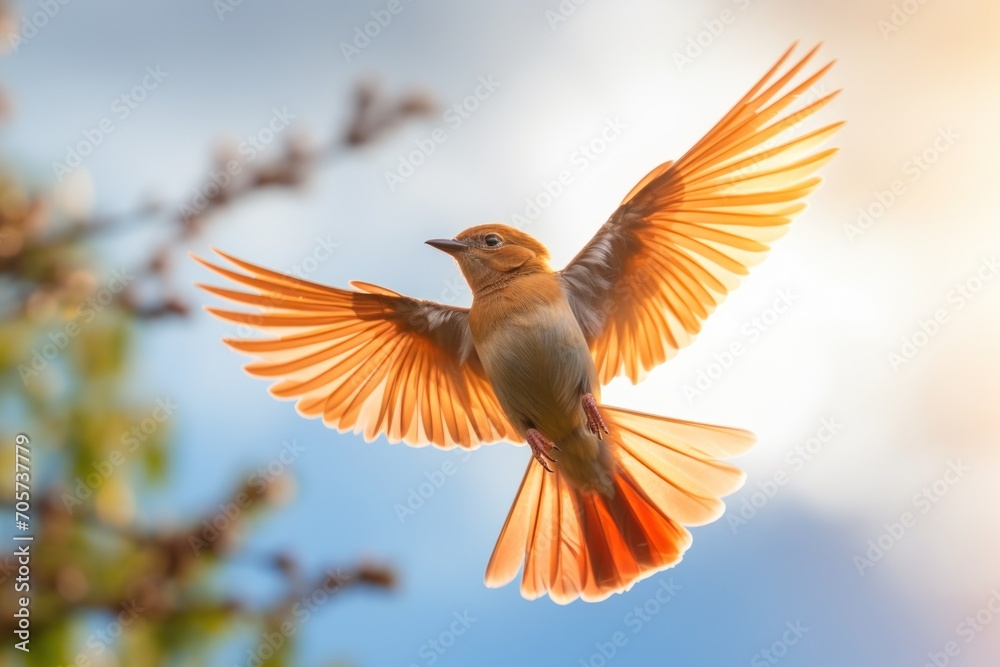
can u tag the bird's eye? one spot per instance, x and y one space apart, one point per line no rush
492 240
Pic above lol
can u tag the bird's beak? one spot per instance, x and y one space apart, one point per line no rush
450 246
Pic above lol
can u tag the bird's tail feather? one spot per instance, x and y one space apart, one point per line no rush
586 544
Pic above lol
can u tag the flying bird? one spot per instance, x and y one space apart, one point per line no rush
608 491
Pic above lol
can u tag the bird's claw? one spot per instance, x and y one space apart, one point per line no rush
595 422
540 447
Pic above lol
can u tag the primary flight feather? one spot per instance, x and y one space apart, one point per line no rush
608 493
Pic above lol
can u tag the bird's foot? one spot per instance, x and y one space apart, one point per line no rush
595 422
540 447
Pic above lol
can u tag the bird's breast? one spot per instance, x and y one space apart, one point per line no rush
537 360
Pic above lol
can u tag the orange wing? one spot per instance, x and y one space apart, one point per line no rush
685 234
373 361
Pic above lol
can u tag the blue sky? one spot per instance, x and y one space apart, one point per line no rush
559 84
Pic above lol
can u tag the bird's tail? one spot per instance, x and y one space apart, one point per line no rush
574 543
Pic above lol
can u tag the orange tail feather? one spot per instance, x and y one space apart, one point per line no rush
584 544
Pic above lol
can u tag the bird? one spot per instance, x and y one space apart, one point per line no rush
609 493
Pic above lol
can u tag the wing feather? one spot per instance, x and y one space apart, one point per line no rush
685 235
372 361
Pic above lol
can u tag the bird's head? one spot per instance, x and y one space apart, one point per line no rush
490 254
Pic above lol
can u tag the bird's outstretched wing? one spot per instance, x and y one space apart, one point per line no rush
685 234
372 360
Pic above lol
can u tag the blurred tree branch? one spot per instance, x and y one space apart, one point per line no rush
24 235
144 594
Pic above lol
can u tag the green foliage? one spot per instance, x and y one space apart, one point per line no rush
106 589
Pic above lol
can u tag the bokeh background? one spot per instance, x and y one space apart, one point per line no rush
869 522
